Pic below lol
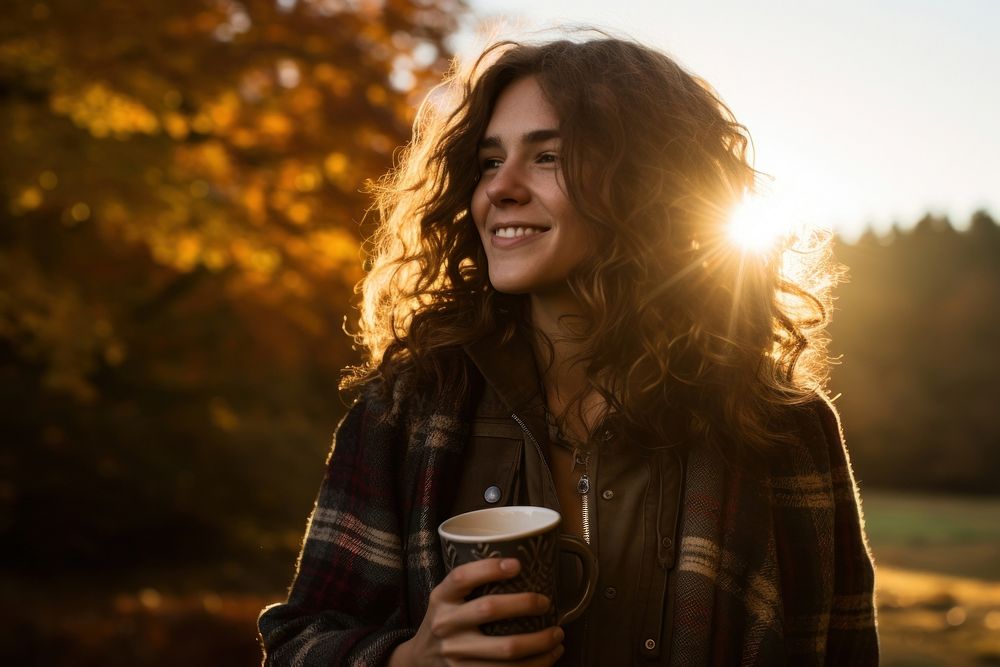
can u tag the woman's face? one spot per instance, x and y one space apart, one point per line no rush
532 234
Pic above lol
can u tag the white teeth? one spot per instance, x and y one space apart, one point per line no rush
515 232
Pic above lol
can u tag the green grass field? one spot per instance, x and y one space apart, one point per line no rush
943 534
938 560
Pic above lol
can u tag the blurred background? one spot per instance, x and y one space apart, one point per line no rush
181 207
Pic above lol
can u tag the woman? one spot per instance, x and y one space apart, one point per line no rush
554 316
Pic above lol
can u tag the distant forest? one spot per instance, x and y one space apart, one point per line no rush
917 333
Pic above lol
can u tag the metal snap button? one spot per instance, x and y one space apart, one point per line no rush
492 494
608 494
667 543
610 593
650 644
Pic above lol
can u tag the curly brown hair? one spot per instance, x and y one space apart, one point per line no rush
676 319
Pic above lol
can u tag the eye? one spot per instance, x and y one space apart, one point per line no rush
490 163
548 158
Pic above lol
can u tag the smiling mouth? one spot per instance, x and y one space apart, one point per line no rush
517 232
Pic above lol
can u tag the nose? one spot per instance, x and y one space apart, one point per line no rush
507 186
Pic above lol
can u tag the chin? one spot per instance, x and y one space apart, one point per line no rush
505 288
510 285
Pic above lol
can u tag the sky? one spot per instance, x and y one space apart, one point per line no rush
864 114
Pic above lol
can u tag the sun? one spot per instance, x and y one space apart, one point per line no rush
756 224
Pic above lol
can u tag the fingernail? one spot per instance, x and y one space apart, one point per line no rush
509 564
558 650
543 602
558 634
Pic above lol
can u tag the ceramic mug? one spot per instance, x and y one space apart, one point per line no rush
530 534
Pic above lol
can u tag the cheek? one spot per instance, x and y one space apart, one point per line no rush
479 206
580 239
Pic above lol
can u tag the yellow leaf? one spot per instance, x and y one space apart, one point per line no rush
215 258
223 111
215 159
275 124
244 138
307 180
335 165
253 201
187 252
31 198
175 125
299 213
202 124
80 211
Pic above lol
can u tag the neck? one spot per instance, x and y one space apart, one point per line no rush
555 320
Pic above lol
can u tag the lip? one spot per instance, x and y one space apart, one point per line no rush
504 244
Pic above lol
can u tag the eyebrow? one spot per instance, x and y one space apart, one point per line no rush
533 137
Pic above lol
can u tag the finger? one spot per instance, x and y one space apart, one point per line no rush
504 605
510 647
541 660
466 577
488 608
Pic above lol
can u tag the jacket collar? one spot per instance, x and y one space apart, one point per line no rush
507 363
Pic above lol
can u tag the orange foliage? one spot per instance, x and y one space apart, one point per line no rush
224 137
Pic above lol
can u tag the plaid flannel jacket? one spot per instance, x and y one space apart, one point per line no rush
773 568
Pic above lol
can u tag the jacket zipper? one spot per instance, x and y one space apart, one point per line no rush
583 488
582 485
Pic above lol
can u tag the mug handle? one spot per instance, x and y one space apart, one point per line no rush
579 548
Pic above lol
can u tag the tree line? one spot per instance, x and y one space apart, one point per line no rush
915 334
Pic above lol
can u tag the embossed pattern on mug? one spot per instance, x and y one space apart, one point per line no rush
538 557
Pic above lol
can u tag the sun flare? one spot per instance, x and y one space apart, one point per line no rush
756 224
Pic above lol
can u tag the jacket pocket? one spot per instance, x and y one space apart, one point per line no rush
490 466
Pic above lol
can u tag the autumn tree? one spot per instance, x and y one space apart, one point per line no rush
181 205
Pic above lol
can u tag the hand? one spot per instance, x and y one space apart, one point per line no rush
450 635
